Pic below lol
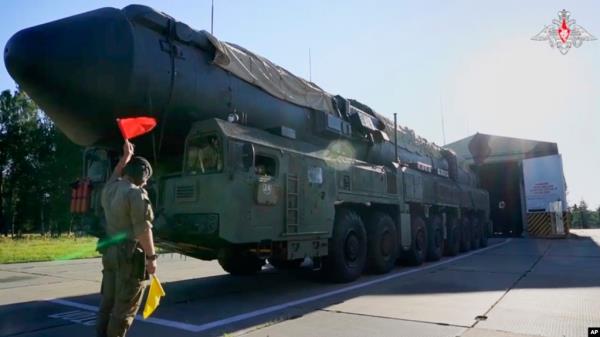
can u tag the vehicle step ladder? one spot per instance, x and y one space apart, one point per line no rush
292 213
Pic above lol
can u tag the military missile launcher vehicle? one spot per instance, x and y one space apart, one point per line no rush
251 161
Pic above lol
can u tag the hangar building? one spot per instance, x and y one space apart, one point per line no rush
525 180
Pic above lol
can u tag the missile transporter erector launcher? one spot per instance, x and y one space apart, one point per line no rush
252 162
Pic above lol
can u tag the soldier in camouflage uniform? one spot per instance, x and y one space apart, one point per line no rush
128 249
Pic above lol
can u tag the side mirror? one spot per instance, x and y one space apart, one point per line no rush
248 154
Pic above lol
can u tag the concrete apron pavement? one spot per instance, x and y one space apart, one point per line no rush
517 288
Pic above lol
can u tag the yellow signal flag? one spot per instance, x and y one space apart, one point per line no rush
154 294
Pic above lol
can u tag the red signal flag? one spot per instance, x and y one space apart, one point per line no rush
135 126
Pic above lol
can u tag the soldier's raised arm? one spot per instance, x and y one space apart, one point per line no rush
127 154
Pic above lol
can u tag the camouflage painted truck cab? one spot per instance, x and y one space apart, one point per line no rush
264 196
251 161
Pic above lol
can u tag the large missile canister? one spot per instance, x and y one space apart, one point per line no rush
87 70
78 70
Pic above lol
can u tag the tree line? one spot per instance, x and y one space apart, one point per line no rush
37 165
583 217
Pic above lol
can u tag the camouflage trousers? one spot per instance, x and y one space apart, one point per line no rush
123 285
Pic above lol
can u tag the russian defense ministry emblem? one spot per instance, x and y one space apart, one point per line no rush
564 33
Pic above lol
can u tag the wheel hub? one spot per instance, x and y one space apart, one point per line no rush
438 238
420 241
386 244
352 247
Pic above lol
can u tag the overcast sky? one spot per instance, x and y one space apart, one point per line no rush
474 60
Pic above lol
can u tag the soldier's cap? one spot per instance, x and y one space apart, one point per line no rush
139 168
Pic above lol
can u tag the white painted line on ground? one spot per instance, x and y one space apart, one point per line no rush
278 307
83 317
158 321
75 305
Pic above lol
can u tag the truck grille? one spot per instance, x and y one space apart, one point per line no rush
185 193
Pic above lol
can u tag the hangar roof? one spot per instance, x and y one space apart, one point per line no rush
482 148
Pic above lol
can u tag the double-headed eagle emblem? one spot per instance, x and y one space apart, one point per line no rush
564 33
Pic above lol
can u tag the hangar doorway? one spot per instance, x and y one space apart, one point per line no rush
503 182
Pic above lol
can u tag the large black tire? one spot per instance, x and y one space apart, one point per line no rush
285 264
236 261
418 247
465 236
347 248
475 232
435 242
453 231
382 243
485 231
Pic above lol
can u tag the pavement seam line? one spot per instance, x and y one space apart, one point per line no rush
253 329
44 284
482 271
47 275
525 273
278 307
395 318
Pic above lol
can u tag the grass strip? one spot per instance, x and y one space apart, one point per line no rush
32 248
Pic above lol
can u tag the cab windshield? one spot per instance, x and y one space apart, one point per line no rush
204 155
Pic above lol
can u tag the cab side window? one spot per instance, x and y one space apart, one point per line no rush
265 166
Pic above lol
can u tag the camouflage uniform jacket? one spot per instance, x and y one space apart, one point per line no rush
127 209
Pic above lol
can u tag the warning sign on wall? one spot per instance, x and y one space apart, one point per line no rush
544 183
